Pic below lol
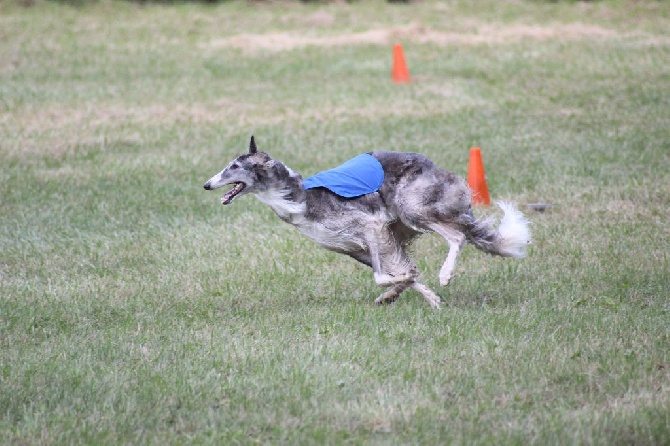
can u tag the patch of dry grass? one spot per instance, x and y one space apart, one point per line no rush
478 34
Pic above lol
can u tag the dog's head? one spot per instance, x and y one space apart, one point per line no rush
248 173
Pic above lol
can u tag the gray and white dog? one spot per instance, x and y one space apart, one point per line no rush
377 228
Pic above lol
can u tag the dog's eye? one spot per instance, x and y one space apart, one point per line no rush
234 166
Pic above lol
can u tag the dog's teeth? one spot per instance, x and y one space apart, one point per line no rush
230 195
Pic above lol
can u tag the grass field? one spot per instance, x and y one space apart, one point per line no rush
135 309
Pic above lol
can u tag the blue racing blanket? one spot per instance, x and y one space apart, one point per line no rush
358 176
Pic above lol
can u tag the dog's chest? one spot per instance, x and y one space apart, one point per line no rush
337 239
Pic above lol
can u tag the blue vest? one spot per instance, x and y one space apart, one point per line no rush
359 176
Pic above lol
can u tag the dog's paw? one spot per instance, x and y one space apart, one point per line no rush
387 298
387 279
433 300
383 279
444 281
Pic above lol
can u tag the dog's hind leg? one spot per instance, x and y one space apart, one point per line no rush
455 239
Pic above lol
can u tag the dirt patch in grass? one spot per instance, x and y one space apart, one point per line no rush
481 34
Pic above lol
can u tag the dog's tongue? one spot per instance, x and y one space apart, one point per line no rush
228 196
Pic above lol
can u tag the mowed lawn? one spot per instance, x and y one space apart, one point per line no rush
135 309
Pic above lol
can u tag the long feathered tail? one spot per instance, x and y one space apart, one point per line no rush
509 240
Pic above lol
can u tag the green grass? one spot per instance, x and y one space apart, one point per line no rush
135 309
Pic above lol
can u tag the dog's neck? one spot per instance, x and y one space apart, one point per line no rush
286 195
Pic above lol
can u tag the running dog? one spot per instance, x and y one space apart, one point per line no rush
377 228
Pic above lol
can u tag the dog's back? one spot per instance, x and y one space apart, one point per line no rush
427 198
420 192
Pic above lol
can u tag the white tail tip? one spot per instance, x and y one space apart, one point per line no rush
513 231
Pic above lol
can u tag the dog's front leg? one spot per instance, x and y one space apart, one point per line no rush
428 294
386 254
392 294
389 263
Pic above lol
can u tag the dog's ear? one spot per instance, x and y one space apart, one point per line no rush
275 167
252 145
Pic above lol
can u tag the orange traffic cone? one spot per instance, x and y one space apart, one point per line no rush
477 178
400 72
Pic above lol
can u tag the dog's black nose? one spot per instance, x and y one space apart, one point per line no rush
207 186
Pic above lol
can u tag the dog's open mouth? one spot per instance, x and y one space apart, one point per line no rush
232 193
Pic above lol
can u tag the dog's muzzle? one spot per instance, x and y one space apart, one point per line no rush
229 196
